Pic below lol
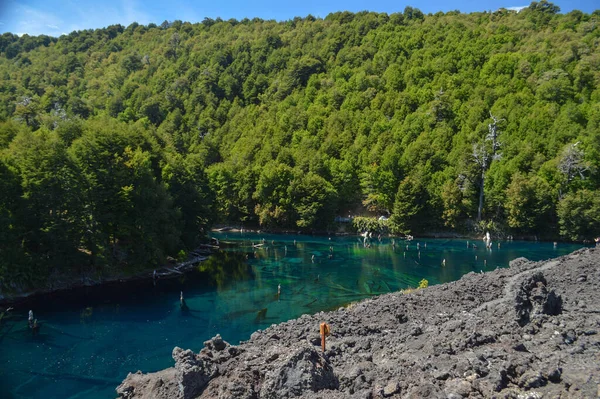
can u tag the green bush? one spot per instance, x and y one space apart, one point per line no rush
579 215
369 224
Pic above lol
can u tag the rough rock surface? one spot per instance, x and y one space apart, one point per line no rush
528 331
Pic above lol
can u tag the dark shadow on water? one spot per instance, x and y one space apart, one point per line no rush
219 271
59 331
42 337
224 268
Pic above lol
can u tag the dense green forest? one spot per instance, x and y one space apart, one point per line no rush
121 146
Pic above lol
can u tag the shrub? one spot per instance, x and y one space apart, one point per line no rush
370 224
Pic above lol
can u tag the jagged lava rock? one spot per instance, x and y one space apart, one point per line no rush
527 331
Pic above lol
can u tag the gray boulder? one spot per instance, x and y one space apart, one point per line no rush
304 369
192 372
533 299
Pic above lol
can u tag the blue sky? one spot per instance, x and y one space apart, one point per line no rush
56 17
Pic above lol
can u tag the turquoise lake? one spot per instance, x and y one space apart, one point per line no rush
91 338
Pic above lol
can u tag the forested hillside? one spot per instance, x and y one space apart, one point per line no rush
120 146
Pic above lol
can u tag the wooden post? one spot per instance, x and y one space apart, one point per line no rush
324 329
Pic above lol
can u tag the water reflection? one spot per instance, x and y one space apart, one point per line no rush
91 338
225 267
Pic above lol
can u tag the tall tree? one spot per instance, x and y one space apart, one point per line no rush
483 156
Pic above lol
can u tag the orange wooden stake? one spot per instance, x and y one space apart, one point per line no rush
324 329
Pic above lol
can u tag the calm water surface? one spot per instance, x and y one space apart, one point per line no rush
91 339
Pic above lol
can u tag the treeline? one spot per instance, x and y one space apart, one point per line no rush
121 145
91 196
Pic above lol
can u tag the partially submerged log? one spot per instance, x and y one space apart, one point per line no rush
177 270
209 246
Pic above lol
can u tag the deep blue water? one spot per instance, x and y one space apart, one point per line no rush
90 339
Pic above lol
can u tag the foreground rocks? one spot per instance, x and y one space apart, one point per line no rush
529 331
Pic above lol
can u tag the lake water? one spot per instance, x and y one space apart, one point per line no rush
91 338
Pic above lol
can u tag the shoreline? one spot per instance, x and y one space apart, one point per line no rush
529 330
435 235
87 282
202 253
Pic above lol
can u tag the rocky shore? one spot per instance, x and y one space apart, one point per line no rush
528 331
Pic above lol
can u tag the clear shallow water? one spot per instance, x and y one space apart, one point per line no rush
90 339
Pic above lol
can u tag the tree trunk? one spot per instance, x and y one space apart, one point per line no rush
480 207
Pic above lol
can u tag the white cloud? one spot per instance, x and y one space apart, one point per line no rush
94 16
72 17
75 15
34 21
516 8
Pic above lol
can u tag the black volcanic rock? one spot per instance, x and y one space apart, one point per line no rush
526 331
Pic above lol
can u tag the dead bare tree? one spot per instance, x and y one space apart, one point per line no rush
481 158
572 165
484 154
493 134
